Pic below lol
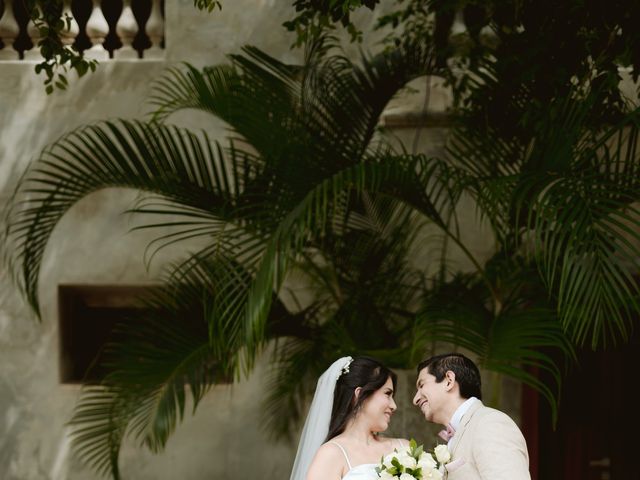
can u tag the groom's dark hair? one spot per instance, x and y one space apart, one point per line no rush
467 373
364 372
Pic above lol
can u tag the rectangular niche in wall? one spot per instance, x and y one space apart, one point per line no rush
87 315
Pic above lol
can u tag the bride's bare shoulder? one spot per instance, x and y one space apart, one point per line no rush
327 463
331 449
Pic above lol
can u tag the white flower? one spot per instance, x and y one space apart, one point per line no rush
406 476
406 460
345 368
427 462
433 474
386 461
384 475
404 450
442 453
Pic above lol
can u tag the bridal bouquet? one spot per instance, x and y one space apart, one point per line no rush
413 463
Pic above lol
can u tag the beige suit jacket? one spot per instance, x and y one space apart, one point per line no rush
491 446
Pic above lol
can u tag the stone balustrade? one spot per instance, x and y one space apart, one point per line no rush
100 29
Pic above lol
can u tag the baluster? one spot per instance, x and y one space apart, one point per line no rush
126 28
97 30
68 35
155 31
34 34
9 30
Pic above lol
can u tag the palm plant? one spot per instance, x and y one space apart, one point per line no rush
562 186
303 144
307 186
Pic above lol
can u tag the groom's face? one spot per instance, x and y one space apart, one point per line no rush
430 396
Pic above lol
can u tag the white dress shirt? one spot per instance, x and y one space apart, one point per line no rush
459 413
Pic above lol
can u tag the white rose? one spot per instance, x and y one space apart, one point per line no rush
388 458
384 475
406 476
433 474
404 450
407 461
427 462
442 453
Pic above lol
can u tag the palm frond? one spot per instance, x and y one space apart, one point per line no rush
395 176
590 257
153 359
520 334
179 165
570 188
585 224
98 428
326 110
295 367
184 339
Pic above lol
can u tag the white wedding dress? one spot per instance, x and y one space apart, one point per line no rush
366 471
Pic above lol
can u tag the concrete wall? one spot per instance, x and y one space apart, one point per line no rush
92 245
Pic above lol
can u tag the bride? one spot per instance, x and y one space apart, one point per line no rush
353 403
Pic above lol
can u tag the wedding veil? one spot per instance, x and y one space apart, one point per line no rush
316 426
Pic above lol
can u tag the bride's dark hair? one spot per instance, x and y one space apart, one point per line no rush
366 373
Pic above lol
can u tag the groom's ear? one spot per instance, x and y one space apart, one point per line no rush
449 380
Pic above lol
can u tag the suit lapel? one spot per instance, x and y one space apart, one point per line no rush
466 418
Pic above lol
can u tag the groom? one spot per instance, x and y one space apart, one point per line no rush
485 444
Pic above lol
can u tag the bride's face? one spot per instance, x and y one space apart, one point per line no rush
379 407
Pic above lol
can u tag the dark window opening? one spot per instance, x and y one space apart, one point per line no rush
87 316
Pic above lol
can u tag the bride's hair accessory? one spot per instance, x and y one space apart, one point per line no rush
316 427
345 369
